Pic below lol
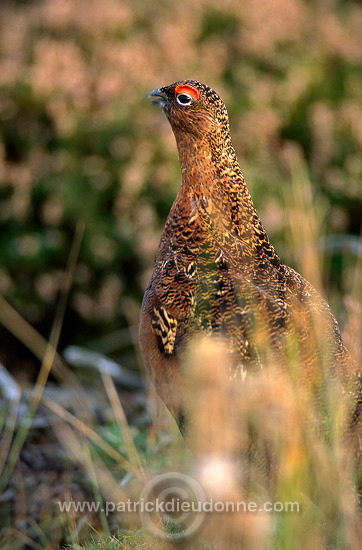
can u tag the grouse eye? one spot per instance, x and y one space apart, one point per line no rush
184 99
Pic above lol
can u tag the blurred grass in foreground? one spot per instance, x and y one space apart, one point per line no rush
235 429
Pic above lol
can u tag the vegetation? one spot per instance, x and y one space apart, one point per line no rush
88 171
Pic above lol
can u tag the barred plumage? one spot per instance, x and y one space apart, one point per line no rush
216 271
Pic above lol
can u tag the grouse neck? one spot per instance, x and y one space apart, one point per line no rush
214 169
212 176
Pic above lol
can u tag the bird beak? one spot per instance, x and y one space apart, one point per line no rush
158 97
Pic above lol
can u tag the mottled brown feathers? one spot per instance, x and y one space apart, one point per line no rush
215 270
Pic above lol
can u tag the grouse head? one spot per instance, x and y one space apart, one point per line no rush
193 108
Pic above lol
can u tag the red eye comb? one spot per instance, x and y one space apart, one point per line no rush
184 89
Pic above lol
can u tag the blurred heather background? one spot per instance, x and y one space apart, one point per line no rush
80 141
80 144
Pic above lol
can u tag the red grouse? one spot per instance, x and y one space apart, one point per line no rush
215 270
